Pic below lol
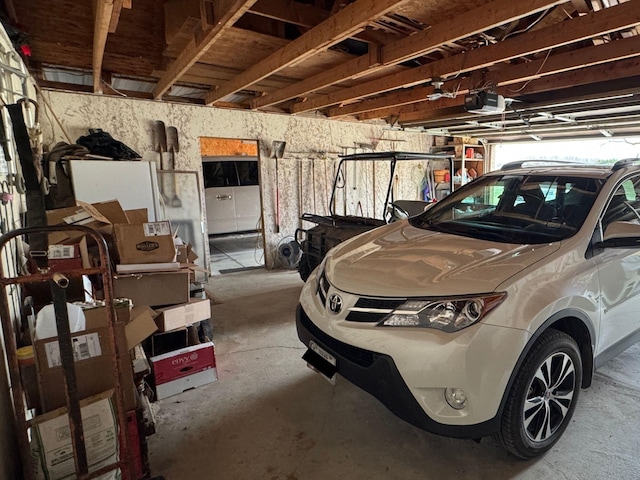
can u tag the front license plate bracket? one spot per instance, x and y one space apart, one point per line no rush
321 361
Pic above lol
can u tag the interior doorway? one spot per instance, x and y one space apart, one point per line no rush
233 203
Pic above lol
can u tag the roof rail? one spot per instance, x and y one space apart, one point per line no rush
625 162
520 163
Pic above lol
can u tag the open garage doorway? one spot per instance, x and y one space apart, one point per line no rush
600 150
231 174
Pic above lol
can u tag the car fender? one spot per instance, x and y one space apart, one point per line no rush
558 319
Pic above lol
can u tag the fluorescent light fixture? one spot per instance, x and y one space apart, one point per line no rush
606 133
535 137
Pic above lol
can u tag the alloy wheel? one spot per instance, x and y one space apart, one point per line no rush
549 397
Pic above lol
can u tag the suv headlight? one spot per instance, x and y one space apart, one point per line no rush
448 315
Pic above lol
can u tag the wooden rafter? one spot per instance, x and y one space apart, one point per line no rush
464 25
290 11
625 48
570 31
608 72
336 28
227 12
102 20
115 15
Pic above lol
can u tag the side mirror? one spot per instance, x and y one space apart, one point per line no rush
621 234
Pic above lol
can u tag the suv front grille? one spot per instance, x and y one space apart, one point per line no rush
373 310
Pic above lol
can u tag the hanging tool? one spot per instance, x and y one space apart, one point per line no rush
160 146
277 150
172 147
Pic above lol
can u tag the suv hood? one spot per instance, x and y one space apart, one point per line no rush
400 260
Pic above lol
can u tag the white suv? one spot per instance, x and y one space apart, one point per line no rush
487 313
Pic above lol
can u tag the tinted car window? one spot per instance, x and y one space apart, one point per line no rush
514 208
247 172
219 174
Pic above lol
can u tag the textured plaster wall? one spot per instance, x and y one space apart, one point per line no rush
305 173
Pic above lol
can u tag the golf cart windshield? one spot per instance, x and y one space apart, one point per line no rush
409 207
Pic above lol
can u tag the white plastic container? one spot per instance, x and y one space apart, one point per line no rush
46 321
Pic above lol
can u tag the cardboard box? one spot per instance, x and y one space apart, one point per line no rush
139 215
141 326
70 255
51 448
178 316
149 242
184 369
92 354
153 289
100 216
185 254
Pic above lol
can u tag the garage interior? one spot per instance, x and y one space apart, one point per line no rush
320 78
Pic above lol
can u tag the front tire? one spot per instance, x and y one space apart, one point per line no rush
543 396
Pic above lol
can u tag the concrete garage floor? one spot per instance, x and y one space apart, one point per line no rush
270 417
236 252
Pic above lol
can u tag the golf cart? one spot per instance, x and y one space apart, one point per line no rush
332 229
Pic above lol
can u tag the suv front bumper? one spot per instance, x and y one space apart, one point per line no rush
410 368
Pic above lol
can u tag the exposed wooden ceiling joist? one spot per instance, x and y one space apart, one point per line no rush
102 20
226 13
336 28
290 11
416 74
468 23
570 31
599 54
115 15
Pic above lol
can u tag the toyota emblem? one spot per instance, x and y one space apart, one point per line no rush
335 303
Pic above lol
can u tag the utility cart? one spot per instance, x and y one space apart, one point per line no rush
332 229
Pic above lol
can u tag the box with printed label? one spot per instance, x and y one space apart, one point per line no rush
92 353
149 242
179 316
184 369
51 448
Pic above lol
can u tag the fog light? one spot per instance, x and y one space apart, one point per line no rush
456 398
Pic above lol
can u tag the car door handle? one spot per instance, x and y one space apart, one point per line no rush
223 197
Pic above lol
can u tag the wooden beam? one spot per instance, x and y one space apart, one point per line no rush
570 31
115 15
607 72
604 54
227 13
289 11
102 19
576 29
336 28
416 45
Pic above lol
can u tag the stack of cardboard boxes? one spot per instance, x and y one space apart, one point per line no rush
154 271
154 310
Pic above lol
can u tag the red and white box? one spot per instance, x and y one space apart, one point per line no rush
184 369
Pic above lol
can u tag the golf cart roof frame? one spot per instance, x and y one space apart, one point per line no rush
393 158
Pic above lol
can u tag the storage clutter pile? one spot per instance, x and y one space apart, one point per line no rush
165 330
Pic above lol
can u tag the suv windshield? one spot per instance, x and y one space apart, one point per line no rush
515 208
